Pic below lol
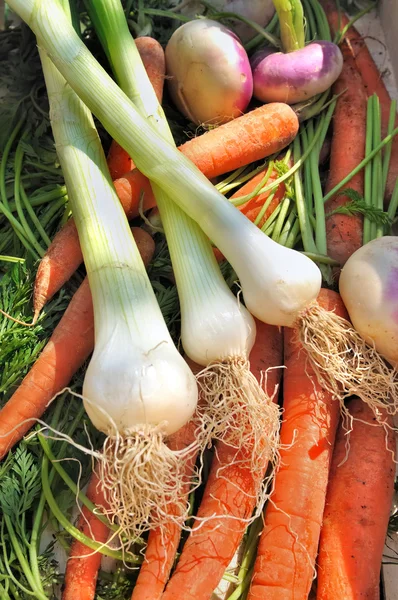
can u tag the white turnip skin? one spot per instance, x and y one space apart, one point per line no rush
295 76
369 289
209 74
259 11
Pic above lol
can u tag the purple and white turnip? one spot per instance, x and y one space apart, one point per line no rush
369 289
208 72
295 76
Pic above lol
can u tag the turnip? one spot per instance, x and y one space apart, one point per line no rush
295 76
209 74
369 288
259 11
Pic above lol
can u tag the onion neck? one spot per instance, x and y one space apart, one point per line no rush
291 22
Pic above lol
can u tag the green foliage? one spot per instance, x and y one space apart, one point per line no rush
19 344
357 205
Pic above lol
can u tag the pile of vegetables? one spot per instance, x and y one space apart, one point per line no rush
186 354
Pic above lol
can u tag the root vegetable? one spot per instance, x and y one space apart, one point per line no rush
295 76
369 288
208 70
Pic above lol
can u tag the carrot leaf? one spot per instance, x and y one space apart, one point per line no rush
358 205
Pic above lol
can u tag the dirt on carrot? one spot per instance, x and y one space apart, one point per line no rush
344 232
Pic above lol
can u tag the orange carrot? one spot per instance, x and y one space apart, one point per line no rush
70 344
286 553
249 138
152 56
344 232
162 545
213 543
371 78
252 207
358 504
83 564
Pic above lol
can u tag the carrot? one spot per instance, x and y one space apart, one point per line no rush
69 346
213 543
344 232
152 56
371 78
357 509
162 545
288 545
252 207
83 564
249 138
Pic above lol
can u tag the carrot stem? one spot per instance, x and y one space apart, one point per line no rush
320 226
361 165
311 32
70 483
368 170
305 225
388 149
73 531
33 216
392 208
257 190
4 159
377 196
17 184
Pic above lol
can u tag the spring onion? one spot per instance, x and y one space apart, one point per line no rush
217 331
137 388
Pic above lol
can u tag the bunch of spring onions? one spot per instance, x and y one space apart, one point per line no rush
217 332
279 285
137 388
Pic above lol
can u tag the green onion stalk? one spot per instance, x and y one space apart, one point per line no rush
291 22
137 388
217 331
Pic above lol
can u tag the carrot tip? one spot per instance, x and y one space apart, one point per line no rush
238 411
140 478
345 364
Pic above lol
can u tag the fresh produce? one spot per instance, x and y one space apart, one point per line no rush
208 72
259 11
371 77
358 504
295 76
229 497
163 543
344 231
68 348
205 530
83 564
216 152
217 332
137 387
368 286
288 544
152 56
